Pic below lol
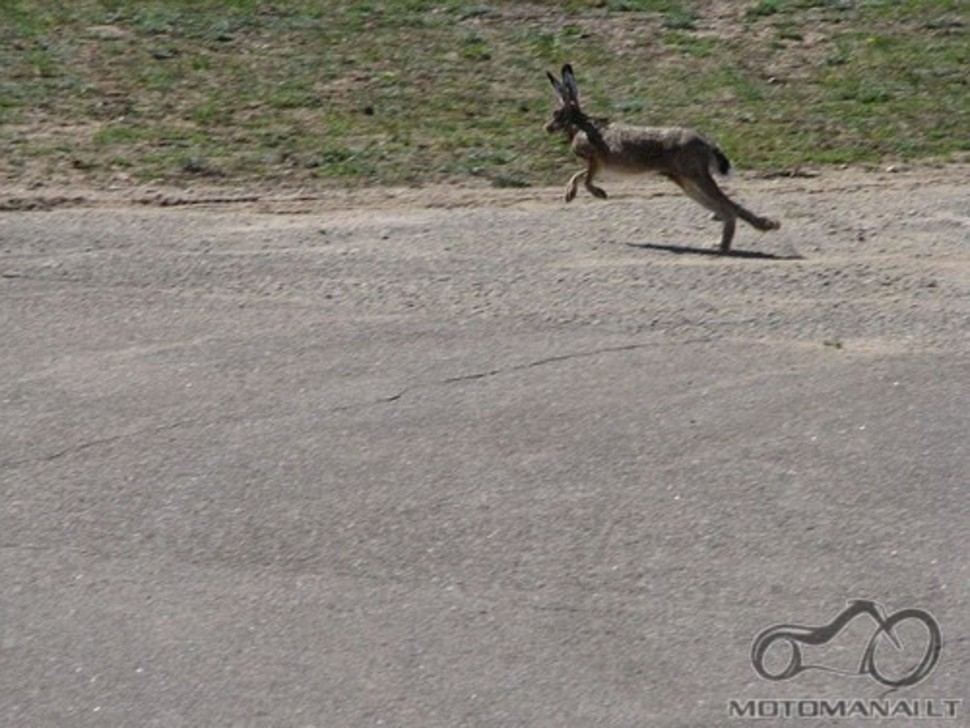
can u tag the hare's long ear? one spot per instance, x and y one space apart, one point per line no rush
569 80
559 88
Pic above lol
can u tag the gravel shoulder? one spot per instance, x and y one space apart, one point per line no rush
877 259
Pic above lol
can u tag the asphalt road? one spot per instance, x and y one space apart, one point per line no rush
501 464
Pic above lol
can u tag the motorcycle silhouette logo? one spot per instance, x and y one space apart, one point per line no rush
795 635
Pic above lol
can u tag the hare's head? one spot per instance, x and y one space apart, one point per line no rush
567 110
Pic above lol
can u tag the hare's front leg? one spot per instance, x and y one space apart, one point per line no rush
572 184
587 176
591 168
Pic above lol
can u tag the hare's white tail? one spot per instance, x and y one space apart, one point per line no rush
720 163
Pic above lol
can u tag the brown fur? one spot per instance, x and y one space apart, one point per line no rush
682 155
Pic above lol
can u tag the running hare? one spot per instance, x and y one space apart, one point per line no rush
679 154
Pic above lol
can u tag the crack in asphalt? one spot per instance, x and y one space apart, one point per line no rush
497 371
88 444
387 399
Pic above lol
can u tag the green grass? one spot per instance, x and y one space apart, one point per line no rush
352 92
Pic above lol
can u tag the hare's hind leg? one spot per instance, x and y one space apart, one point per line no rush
703 190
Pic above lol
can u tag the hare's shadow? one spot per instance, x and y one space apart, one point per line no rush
715 252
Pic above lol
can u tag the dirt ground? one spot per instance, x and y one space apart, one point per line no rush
864 258
469 456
